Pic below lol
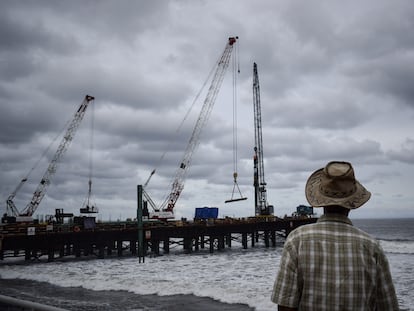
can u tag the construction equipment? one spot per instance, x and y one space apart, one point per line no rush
27 213
260 193
235 156
166 209
303 210
235 187
88 207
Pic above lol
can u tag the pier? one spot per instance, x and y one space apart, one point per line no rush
36 241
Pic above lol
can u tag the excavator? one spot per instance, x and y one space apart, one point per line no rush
26 215
166 210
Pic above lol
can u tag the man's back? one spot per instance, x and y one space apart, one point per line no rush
332 265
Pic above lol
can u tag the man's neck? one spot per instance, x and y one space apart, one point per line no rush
336 209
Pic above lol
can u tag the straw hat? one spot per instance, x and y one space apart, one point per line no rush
336 185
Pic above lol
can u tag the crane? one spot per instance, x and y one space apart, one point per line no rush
41 189
88 207
260 193
166 209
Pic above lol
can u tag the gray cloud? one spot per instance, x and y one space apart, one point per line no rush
335 84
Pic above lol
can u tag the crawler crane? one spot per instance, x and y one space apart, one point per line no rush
166 209
26 214
260 193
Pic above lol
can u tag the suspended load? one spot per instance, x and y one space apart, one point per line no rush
235 187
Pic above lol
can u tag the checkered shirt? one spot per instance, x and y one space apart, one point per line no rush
331 265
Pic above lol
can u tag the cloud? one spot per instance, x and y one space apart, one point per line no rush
334 81
405 154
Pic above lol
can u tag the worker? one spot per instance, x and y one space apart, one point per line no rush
331 265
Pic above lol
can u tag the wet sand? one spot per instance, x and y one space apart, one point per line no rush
80 299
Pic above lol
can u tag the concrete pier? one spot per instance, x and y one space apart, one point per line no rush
119 239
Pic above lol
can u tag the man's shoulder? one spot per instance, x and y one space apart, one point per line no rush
331 229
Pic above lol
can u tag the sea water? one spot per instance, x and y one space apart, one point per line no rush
396 237
234 275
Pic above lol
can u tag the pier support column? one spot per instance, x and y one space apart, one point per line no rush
27 253
220 243
141 205
166 246
61 251
50 255
145 248
228 240
91 248
67 249
188 245
254 238
77 250
202 241
85 250
266 238
34 254
197 243
133 247
111 246
273 237
119 247
244 240
101 252
155 247
211 244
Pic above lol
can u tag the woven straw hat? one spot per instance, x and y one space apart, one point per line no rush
335 184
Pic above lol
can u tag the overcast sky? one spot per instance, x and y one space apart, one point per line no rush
336 82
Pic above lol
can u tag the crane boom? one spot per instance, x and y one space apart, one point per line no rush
67 138
178 181
11 207
260 196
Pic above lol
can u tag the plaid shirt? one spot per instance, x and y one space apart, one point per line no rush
331 265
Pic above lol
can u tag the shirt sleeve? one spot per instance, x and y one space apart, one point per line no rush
286 289
386 296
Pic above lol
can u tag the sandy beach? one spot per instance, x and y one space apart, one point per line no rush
80 299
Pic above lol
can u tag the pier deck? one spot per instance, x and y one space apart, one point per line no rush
121 238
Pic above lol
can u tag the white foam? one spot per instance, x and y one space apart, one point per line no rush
398 247
233 276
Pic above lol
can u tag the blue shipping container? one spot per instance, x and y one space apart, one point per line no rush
206 212
304 210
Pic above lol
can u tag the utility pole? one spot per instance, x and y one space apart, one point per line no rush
140 224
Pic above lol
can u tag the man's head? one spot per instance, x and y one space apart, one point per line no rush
335 185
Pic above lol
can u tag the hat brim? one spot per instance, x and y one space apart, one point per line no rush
317 199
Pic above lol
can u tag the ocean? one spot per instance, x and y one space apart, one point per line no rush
233 276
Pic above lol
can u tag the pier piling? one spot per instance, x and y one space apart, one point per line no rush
119 239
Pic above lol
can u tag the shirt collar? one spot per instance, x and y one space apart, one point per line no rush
335 218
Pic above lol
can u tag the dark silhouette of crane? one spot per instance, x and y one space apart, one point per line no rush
27 213
165 211
260 193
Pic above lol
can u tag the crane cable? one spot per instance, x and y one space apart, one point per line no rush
182 123
234 118
236 71
87 203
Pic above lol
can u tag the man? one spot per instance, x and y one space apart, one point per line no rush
331 265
